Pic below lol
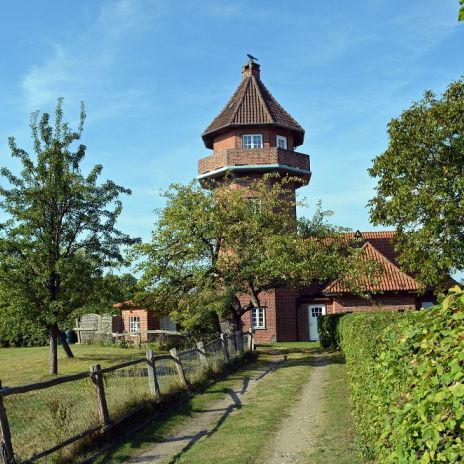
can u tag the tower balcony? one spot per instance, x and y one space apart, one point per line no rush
258 160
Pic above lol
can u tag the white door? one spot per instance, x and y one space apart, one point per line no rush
314 311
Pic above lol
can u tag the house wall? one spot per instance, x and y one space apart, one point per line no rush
286 314
269 334
147 320
233 138
387 302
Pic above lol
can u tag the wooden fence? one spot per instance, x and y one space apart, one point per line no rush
42 418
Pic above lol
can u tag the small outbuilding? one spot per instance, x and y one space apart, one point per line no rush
135 319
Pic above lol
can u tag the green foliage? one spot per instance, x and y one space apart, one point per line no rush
110 289
461 11
211 246
327 327
60 230
420 187
406 373
16 331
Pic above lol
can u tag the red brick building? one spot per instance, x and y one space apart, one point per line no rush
135 319
254 135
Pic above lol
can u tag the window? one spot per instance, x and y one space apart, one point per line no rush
316 311
281 142
252 141
134 324
166 323
258 318
426 304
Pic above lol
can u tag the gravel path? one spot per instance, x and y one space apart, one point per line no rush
296 435
202 424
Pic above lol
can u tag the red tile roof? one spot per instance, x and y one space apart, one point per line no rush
126 304
382 241
391 279
252 104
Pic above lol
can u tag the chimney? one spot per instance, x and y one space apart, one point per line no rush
251 69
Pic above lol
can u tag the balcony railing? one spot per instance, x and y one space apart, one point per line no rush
254 159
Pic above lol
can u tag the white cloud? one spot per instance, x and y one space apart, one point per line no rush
87 67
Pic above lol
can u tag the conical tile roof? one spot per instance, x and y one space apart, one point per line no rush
252 104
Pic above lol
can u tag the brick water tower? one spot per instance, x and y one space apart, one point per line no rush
253 135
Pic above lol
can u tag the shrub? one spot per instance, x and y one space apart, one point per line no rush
15 330
406 374
327 327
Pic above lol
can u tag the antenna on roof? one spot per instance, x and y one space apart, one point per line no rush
252 58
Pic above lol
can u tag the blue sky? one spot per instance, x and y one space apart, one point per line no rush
153 74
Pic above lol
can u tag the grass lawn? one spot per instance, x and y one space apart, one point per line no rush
247 429
336 439
27 365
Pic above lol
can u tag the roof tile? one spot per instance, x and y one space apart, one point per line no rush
253 104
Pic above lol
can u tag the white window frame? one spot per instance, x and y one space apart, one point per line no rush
250 141
281 138
258 318
134 324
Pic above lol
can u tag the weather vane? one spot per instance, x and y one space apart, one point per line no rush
252 58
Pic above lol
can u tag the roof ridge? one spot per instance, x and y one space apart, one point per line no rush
261 99
240 101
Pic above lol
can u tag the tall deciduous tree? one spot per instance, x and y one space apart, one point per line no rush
61 228
420 187
210 247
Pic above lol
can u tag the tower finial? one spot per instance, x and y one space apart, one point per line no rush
252 58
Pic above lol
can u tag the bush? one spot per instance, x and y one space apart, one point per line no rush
15 330
406 374
327 327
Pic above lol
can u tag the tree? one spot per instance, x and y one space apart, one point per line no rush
60 233
211 247
461 11
110 289
420 187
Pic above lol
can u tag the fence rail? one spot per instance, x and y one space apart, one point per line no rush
43 418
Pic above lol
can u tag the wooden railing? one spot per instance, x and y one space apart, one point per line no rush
186 365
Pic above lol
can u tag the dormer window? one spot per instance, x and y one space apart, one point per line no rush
252 141
281 142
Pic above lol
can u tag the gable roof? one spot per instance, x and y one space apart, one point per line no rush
391 279
252 104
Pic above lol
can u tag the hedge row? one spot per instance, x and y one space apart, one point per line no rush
406 373
327 328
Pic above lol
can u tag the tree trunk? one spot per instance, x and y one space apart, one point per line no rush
53 350
65 345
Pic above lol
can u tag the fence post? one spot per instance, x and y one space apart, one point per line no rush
97 379
180 369
6 447
152 378
202 355
225 347
239 337
138 340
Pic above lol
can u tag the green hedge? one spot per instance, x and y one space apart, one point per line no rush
327 327
406 373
